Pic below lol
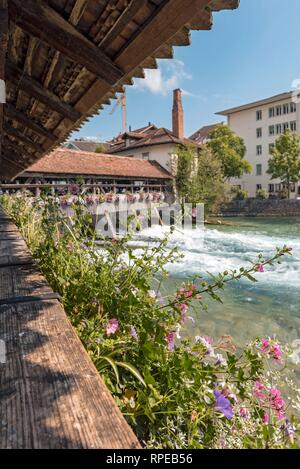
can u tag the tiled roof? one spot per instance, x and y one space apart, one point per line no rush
65 161
201 136
151 137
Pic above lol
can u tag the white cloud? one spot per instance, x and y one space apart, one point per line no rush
170 75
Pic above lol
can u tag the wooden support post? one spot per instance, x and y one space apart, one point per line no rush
3 51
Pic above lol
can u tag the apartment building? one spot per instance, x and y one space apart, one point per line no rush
260 123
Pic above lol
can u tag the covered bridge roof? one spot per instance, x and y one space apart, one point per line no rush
71 162
62 60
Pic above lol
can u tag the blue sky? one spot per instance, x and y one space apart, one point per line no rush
251 53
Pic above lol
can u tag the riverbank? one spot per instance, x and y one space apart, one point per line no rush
253 207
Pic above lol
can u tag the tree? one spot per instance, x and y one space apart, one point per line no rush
200 178
101 148
230 149
186 157
285 161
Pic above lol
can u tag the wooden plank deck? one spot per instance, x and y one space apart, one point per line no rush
51 395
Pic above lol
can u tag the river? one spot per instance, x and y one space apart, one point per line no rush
270 307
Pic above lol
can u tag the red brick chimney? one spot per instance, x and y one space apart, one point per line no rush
178 125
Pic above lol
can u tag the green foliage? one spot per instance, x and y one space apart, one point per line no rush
200 179
262 194
239 193
101 148
185 167
230 150
285 161
164 385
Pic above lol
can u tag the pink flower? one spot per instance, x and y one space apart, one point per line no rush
260 268
112 326
186 292
170 338
280 415
265 345
183 308
258 390
276 352
265 418
243 412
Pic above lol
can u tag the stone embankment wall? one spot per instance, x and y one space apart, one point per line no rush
253 207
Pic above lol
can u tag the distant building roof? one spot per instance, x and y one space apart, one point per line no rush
201 136
147 136
65 161
262 102
84 145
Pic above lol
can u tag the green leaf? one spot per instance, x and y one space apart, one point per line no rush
132 370
113 365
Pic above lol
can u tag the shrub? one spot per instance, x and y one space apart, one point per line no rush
239 194
262 194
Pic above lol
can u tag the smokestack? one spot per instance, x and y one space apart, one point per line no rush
178 125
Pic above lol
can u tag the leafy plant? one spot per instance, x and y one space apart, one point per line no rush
175 392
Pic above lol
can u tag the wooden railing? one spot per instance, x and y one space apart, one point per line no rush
51 394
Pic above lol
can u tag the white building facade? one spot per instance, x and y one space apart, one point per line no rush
260 124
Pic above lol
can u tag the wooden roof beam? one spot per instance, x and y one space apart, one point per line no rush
13 146
32 87
158 30
16 133
3 52
12 113
133 8
43 22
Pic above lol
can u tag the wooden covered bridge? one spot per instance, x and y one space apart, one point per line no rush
60 62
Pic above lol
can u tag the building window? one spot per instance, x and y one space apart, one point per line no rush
286 108
259 132
278 129
278 110
285 126
145 156
259 150
293 126
293 187
271 188
258 170
258 115
271 130
271 148
293 107
271 112
258 187
277 187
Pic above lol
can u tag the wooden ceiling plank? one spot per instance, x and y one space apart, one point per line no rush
40 20
32 87
13 132
159 29
3 52
12 113
116 29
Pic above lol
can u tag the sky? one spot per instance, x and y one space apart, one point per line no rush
251 53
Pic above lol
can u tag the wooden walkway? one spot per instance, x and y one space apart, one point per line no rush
51 395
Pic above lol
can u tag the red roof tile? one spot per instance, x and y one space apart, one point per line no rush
64 161
201 136
152 137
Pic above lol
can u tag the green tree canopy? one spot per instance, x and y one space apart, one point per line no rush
200 177
230 149
285 161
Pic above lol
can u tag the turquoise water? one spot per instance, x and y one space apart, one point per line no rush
269 307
